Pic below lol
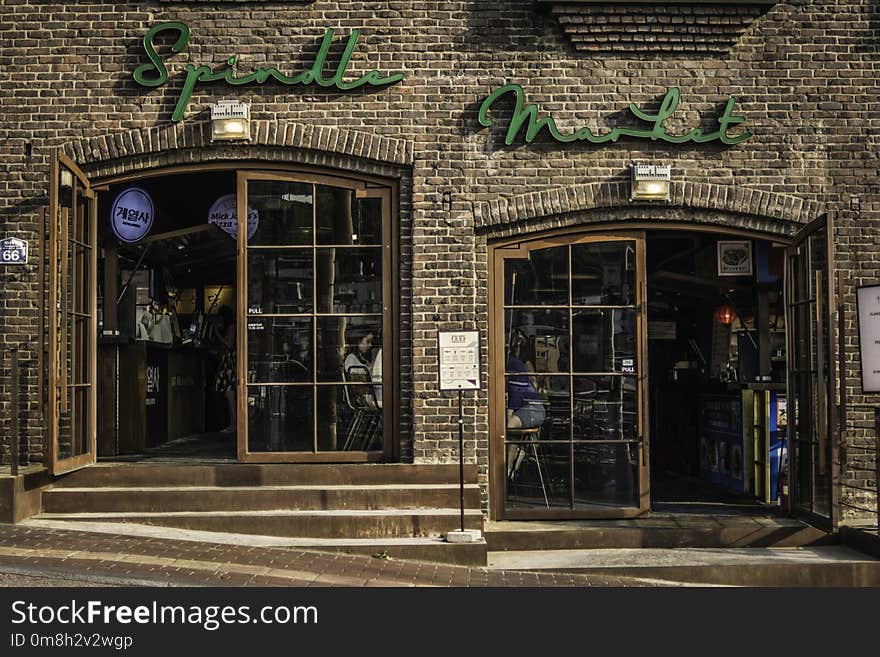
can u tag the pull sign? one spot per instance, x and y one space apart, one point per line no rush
13 251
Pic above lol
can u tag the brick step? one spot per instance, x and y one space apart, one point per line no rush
347 524
694 532
251 474
110 499
433 549
814 566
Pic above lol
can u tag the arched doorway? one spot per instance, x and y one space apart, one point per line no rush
574 402
310 284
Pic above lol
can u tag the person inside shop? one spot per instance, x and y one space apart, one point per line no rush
360 344
226 372
525 405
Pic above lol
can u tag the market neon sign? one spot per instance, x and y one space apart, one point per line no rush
528 116
155 72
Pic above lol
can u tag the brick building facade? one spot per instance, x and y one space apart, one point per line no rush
803 74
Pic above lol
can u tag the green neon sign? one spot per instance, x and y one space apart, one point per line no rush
155 73
528 116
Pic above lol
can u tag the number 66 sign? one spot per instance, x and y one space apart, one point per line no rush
13 251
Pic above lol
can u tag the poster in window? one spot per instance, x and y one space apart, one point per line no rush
734 258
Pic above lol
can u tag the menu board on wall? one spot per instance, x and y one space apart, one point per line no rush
868 299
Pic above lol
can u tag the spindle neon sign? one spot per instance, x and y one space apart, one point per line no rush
155 72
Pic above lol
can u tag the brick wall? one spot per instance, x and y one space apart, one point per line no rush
804 73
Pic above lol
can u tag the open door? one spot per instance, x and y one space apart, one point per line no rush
569 378
72 318
813 414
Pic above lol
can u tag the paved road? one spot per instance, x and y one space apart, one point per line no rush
76 558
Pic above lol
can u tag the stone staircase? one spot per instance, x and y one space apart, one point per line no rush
395 510
708 549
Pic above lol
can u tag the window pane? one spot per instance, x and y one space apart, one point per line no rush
279 349
538 338
280 281
349 418
603 274
345 343
538 406
538 474
280 419
284 211
606 474
605 408
542 280
343 219
349 280
604 340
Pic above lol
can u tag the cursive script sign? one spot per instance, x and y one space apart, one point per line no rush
528 116
155 73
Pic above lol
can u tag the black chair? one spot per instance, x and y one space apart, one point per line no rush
360 396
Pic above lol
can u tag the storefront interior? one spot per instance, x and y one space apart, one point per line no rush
674 334
170 309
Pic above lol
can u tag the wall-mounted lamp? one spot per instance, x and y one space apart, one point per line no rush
650 182
230 119
66 179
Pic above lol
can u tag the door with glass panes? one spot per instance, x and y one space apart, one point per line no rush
813 422
72 319
315 344
568 377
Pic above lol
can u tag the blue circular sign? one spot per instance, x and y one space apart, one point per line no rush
132 214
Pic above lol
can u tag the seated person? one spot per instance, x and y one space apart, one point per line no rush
525 405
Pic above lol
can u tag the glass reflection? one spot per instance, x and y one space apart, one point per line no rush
280 419
538 474
349 280
279 281
349 344
604 340
605 408
279 349
343 219
538 338
603 274
351 418
284 212
542 280
606 474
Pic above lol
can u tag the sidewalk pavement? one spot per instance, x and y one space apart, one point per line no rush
77 556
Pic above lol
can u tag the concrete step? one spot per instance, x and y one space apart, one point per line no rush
133 475
257 498
656 531
347 524
806 566
433 549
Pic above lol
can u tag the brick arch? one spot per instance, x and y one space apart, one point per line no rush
176 143
777 213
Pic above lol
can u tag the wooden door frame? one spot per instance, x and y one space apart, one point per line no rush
388 192
519 247
56 465
826 310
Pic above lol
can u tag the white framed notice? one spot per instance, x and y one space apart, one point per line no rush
459 353
868 304
734 258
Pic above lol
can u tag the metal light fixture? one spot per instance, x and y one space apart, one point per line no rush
725 314
230 120
650 182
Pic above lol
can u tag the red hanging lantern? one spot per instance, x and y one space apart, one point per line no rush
725 314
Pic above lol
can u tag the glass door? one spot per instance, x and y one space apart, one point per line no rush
810 325
568 378
72 319
314 341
